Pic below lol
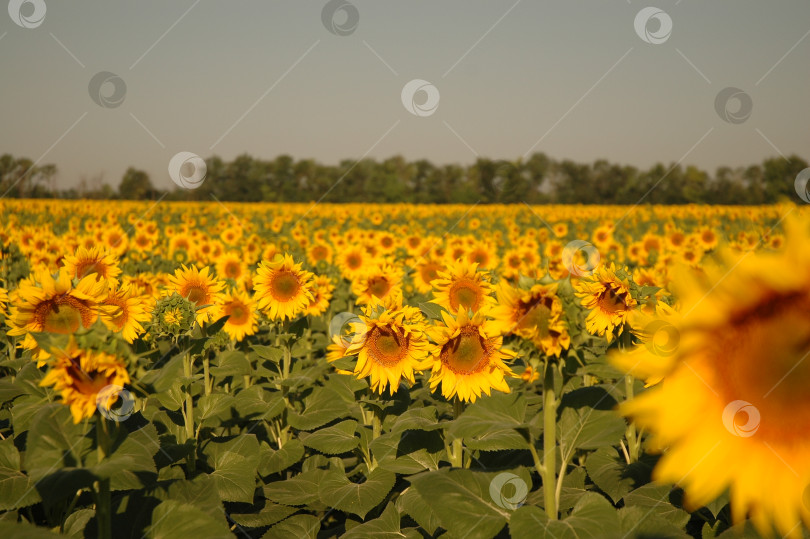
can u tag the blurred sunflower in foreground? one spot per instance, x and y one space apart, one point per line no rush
81 375
733 410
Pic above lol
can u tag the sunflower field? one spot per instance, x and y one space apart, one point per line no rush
199 370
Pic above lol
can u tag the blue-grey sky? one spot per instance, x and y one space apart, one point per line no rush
572 79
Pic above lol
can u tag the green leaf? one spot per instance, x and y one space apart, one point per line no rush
231 363
321 407
637 521
465 498
412 504
256 403
212 407
130 458
267 516
384 527
273 461
75 523
494 423
173 519
417 419
592 517
658 500
408 452
432 311
337 491
25 530
16 488
588 420
609 471
235 462
161 378
299 490
332 440
295 527
270 353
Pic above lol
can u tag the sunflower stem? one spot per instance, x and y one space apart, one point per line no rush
207 375
633 439
376 425
103 516
549 442
457 454
188 364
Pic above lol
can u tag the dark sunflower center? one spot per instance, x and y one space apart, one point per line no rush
83 269
353 261
285 285
764 359
468 353
86 383
386 346
196 294
237 312
534 314
610 302
465 293
232 269
429 272
379 286
63 314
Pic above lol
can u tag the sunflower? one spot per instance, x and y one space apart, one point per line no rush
82 376
321 295
319 252
132 309
53 304
200 288
468 356
3 301
425 271
462 287
383 281
609 300
282 288
93 261
337 348
733 411
352 261
534 314
241 310
390 345
231 265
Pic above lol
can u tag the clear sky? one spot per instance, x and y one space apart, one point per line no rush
573 79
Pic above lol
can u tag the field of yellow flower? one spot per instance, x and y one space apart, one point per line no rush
189 370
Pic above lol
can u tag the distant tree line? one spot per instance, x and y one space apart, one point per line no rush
536 180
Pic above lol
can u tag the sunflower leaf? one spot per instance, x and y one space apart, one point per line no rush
295 527
332 440
337 491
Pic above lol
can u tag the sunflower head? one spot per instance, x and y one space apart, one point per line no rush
391 345
606 293
84 379
173 315
462 287
282 289
200 288
241 312
468 356
733 412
